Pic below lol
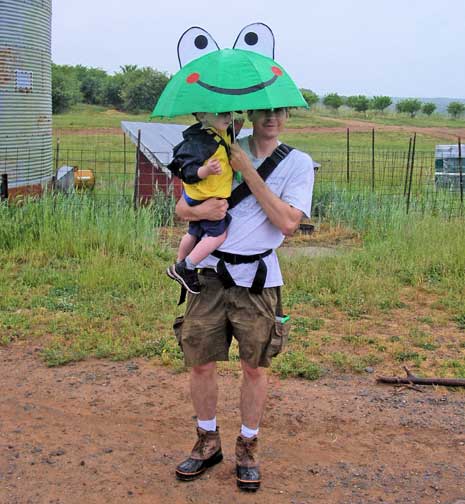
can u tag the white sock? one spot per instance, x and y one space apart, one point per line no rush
207 425
189 264
248 433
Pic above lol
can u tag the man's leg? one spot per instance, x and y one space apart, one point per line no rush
253 397
207 450
204 390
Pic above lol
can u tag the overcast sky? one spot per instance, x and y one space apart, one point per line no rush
393 47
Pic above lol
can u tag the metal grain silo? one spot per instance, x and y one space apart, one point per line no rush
25 94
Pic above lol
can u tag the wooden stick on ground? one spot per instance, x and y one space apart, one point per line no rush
411 379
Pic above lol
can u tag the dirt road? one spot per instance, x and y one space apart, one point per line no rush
106 432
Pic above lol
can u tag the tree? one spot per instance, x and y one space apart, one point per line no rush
409 105
428 108
455 109
112 93
380 103
333 100
141 88
359 103
93 82
310 97
65 88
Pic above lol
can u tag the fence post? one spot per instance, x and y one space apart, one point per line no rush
136 181
408 165
348 156
373 159
460 175
4 187
124 167
411 172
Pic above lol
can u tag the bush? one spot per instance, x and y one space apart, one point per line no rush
380 103
142 88
310 97
456 109
409 105
65 88
333 100
360 103
428 108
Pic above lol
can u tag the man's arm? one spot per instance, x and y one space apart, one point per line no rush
281 214
211 209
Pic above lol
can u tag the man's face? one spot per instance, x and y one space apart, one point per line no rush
269 123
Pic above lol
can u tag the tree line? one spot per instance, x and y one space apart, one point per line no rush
131 89
362 103
134 88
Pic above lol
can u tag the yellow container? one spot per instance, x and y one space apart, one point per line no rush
84 179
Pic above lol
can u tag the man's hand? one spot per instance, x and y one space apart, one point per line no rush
211 167
237 124
239 160
211 209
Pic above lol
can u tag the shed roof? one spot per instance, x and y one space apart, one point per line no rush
157 140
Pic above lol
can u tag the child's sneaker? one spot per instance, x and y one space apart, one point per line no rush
186 277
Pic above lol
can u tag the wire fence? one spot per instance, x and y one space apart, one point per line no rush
416 181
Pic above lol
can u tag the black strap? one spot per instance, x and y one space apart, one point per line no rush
227 280
182 295
264 170
279 304
238 258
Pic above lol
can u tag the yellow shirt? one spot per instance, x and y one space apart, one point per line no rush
214 186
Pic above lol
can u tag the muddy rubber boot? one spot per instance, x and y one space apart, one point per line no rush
247 468
206 453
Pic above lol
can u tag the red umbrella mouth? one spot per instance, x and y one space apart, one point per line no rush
194 78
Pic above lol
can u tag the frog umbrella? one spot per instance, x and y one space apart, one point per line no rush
225 80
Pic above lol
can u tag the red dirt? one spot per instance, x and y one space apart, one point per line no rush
365 126
100 432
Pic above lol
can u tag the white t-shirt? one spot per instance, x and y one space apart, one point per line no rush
251 232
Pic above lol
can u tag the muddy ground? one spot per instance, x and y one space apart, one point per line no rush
110 432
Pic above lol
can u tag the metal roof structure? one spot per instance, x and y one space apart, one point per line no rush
157 140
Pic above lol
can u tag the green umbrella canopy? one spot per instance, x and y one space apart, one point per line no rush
227 80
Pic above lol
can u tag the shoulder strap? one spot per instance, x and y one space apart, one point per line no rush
264 170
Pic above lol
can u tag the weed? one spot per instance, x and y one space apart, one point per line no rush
294 363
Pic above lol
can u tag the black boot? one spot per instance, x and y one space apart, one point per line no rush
247 468
206 453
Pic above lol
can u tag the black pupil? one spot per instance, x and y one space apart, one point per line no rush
201 42
251 38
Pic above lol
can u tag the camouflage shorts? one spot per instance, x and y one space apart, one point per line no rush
216 315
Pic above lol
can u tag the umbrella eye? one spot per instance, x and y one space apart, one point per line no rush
194 43
256 37
277 71
201 42
251 38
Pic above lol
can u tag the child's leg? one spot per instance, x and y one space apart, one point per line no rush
205 247
188 242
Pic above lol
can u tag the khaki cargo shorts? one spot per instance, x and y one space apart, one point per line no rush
215 315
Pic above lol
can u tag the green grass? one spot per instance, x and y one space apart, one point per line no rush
86 281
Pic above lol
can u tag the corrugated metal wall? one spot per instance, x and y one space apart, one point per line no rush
25 91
